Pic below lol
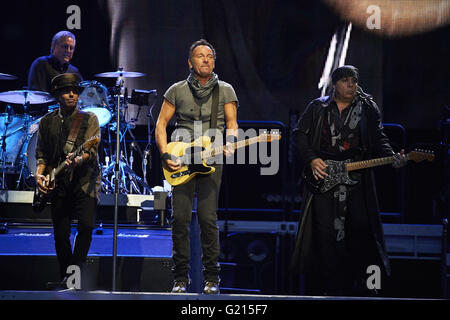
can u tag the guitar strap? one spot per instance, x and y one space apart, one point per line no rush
214 108
70 143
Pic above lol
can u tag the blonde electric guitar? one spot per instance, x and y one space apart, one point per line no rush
194 156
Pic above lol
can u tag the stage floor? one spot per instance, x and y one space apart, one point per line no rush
117 295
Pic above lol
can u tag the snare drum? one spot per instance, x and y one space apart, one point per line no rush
94 98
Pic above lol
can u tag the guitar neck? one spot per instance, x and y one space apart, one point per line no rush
62 166
369 163
206 154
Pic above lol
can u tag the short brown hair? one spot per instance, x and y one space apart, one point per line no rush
201 42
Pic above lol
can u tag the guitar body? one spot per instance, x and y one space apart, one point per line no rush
40 200
337 174
190 155
338 170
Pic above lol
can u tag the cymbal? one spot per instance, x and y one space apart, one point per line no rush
5 76
116 74
22 96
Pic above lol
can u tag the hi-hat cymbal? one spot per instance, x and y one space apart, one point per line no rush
116 74
22 96
5 76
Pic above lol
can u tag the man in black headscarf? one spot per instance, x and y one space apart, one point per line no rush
340 233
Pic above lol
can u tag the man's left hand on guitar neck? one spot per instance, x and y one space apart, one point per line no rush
229 149
400 159
77 161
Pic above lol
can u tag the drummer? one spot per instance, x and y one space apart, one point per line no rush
45 68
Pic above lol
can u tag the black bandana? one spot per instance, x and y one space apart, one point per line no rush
344 72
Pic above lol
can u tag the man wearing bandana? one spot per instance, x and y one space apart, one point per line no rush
340 233
191 102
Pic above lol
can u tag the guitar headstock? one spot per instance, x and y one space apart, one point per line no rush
269 137
421 155
91 141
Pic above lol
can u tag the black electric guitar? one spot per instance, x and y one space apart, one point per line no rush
40 200
338 170
194 156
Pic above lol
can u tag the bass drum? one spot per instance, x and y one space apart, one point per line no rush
94 98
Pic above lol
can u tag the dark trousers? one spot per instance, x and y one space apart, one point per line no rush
70 202
206 188
341 265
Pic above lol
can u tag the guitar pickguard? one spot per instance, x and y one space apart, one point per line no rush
337 174
191 169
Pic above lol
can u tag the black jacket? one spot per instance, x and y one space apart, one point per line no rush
374 143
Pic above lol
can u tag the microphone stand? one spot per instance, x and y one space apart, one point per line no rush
119 84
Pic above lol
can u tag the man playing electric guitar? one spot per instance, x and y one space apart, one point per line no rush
340 232
201 98
75 191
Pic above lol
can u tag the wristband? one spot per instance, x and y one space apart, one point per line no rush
166 156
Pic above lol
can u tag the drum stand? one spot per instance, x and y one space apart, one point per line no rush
129 181
3 156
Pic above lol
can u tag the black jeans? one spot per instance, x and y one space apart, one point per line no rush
70 202
207 188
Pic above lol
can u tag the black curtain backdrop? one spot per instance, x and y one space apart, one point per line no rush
272 52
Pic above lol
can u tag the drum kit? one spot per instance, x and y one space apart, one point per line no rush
18 132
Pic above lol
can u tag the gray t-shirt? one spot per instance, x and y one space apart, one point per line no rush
191 111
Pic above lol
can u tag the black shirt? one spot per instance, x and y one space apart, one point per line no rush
44 69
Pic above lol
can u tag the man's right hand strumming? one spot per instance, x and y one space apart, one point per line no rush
318 167
42 183
171 164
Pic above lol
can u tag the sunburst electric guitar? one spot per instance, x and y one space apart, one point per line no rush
338 170
40 199
194 156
